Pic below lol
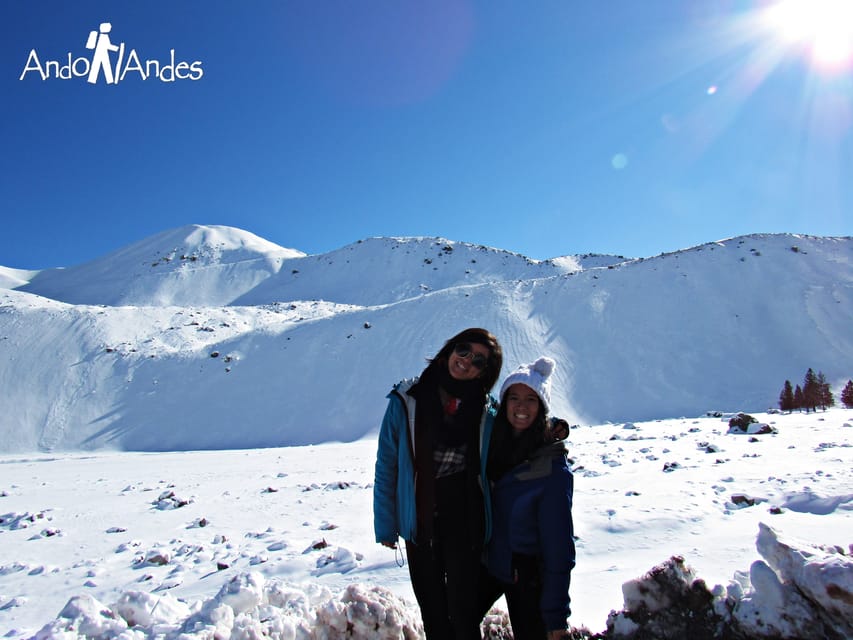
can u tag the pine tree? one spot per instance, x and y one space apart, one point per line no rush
798 398
824 392
786 398
847 395
811 391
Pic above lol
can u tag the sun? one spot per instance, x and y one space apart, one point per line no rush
824 27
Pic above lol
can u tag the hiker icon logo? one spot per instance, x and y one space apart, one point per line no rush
114 62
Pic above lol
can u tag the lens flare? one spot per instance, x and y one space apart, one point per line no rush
824 27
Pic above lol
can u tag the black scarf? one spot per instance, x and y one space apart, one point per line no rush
434 427
508 450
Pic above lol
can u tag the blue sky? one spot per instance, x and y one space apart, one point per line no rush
545 128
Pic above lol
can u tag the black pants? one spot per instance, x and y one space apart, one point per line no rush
445 574
522 597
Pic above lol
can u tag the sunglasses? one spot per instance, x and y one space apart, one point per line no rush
463 350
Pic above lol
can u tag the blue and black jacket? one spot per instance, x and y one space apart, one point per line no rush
394 500
531 508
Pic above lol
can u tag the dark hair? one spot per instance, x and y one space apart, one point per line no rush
507 451
480 336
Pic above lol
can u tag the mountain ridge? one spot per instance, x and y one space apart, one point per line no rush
173 268
719 326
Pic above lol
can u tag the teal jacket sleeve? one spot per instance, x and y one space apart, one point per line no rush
485 441
385 517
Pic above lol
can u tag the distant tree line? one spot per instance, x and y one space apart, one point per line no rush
813 393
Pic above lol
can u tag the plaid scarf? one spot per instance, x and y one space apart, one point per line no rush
449 461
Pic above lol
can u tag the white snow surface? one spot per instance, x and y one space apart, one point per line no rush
188 425
185 544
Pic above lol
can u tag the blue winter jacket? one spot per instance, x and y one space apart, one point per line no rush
532 515
394 508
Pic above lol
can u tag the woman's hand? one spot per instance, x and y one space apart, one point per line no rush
556 429
390 545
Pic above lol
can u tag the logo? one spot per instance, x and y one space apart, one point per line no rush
112 62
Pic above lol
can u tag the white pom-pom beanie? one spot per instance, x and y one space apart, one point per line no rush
537 376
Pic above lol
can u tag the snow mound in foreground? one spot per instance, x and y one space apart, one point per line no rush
247 607
798 591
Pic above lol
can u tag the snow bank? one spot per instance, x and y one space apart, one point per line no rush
248 606
798 591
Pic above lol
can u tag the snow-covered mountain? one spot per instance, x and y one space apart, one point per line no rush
195 265
210 337
409 267
11 278
216 266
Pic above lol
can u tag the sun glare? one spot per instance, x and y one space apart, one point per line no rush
825 27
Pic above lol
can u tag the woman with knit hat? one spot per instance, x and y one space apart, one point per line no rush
428 479
531 551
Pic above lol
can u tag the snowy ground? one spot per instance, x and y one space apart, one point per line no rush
179 526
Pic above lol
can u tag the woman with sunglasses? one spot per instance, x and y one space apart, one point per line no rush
427 486
531 552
